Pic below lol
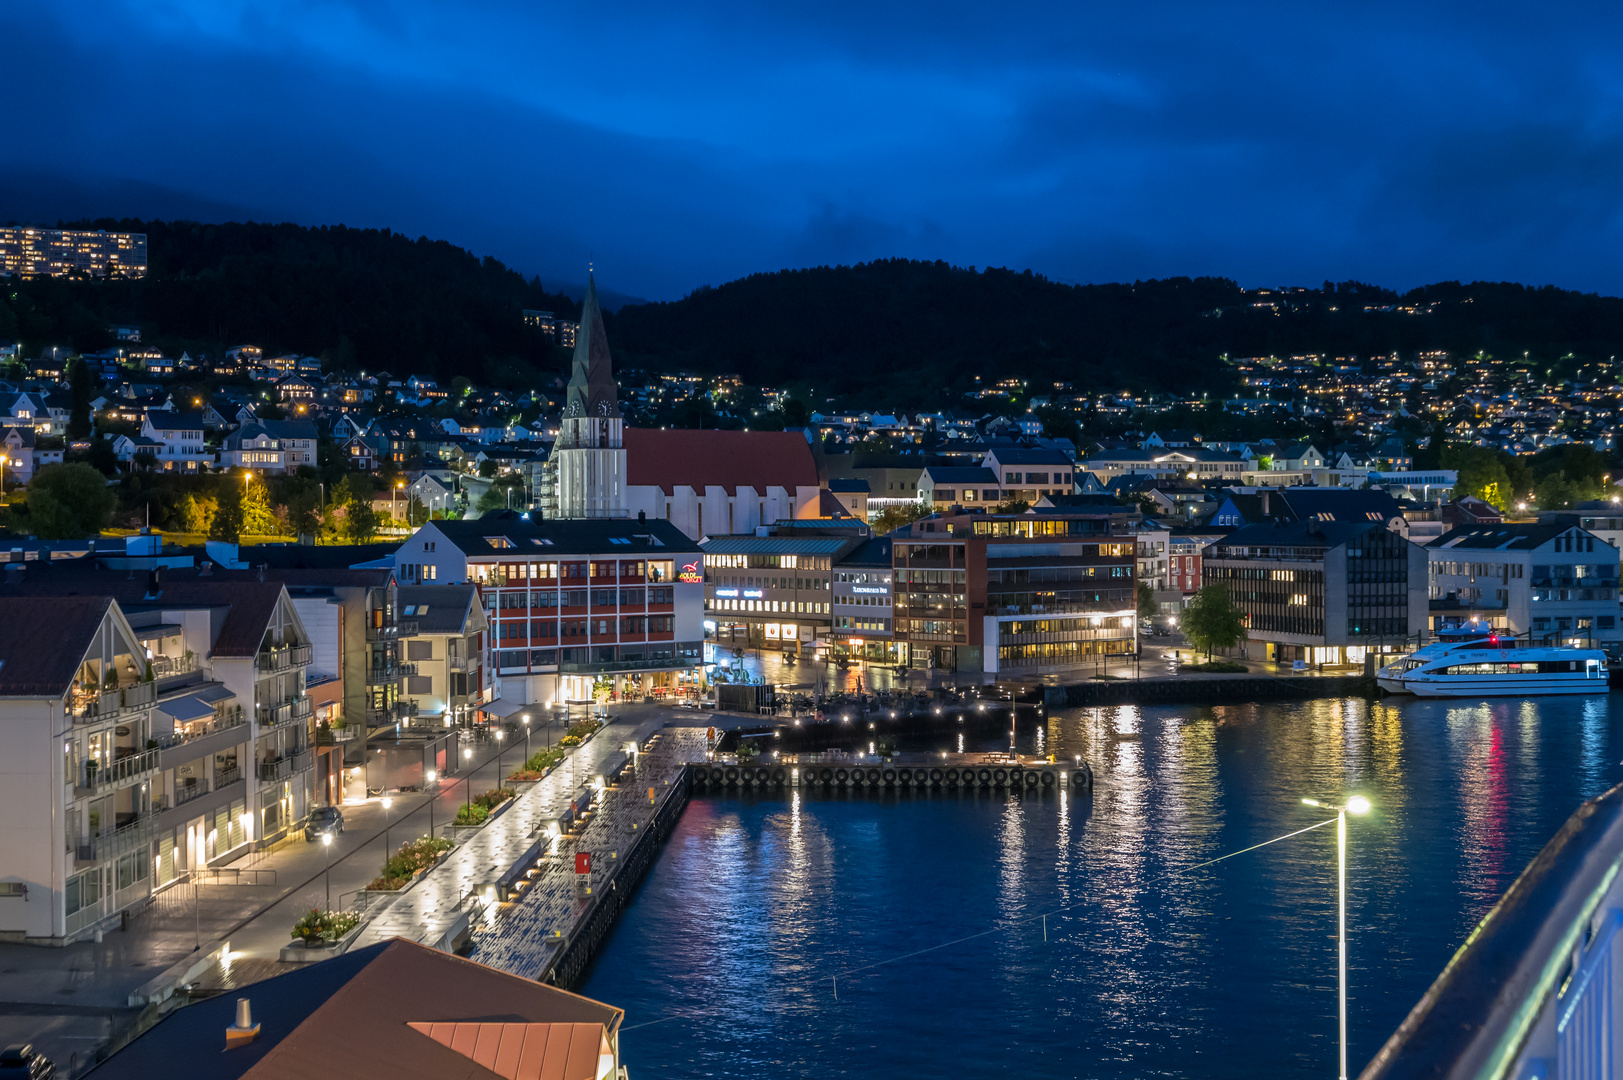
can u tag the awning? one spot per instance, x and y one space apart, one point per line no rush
816 644
503 708
186 709
213 694
158 630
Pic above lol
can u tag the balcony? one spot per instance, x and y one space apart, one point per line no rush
390 631
462 663
122 771
382 674
292 711
271 661
406 669
276 769
126 837
87 707
598 668
230 774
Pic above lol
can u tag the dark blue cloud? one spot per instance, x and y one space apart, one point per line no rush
677 145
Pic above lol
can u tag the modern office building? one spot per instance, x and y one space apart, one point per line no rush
863 604
26 252
773 591
1323 592
1013 595
445 657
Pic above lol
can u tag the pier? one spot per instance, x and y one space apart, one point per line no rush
984 772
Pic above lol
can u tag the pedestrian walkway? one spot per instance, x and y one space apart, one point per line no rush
526 935
442 898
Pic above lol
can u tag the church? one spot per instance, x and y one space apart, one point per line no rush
706 483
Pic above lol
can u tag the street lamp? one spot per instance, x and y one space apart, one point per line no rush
433 797
526 720
500 735
467 754
394 502
1360 806
326 843
387 802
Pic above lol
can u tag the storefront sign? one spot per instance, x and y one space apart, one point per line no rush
726 592
691 573
772 631
756 593
870 590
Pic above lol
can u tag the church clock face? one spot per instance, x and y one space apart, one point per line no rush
603 408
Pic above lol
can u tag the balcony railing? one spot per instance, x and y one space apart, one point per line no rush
332 736
273 660
1531 993
86 706
127 837
405 669
390 631
382 674
230 774
277 769
123 770
295 710
197 729
165 666
462 663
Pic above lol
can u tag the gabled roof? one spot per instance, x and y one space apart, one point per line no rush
439 609
1325 534
960 474
699 459
42 642
551 539
175 421
1503 536
352 1016
1024 455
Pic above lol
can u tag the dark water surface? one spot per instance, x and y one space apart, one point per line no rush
1225 971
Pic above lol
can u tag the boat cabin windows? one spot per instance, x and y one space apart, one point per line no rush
1525 667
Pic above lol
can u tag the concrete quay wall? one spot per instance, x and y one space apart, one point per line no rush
1207 690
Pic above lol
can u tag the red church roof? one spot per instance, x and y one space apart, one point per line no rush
669 459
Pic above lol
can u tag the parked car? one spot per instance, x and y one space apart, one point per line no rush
324 819
20 1061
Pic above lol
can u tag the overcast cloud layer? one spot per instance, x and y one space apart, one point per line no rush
682 144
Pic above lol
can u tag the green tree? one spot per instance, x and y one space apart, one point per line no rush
892 518
360 521
69 501
1556 492
82 389
197 513
1481 474
257 518
1212 621
1146 601
303 512
226 524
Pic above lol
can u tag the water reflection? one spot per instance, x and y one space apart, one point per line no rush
1227 971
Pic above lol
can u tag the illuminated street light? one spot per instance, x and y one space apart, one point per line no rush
326 842
1356 805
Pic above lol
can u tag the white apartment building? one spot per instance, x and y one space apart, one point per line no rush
1554 581
446 655
179 714
179 436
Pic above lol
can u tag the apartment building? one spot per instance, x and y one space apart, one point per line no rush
1323 592
445 657
570 603
26 252
179 713
1027 474
179 439
1553 581
1014 595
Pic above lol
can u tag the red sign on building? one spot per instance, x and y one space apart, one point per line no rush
583 862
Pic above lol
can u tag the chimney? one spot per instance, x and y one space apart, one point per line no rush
1263 495
642 517
244 1031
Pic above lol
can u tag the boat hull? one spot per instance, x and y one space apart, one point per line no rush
1505 686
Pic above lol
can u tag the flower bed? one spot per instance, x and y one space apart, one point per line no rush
412 859
318 927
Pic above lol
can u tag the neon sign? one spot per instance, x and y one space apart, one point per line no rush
869 589
691 573
754 592
726 592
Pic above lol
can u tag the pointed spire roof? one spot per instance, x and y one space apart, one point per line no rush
591 383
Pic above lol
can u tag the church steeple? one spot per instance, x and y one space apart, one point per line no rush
591 383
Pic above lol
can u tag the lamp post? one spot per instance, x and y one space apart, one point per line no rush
500 736
1355 805
326 842
467 755
526 720
394 499
387 802
433 796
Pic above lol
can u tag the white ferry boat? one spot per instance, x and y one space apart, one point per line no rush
1489 667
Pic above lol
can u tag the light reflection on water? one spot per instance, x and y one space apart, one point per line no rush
1225 971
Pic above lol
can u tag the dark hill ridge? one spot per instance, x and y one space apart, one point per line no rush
897 332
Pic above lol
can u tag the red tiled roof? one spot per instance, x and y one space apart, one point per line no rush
520 1051
669 459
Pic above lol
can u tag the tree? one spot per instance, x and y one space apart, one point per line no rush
892 518
257 519
1481 474
1212 621
81 388
1146 601
197 513
303 512
360 521
69 501
227 521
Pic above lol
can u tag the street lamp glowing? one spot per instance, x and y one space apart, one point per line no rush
1357 805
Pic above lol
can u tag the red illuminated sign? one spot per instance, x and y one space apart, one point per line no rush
691 573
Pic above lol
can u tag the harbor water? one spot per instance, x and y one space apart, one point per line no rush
799 934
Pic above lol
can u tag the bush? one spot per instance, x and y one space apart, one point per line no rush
541 761
493 798
1215 667
472 814
582 728
413 858
318 926
569 740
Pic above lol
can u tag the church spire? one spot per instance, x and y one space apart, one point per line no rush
591 383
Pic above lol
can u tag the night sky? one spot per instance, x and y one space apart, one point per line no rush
682 144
